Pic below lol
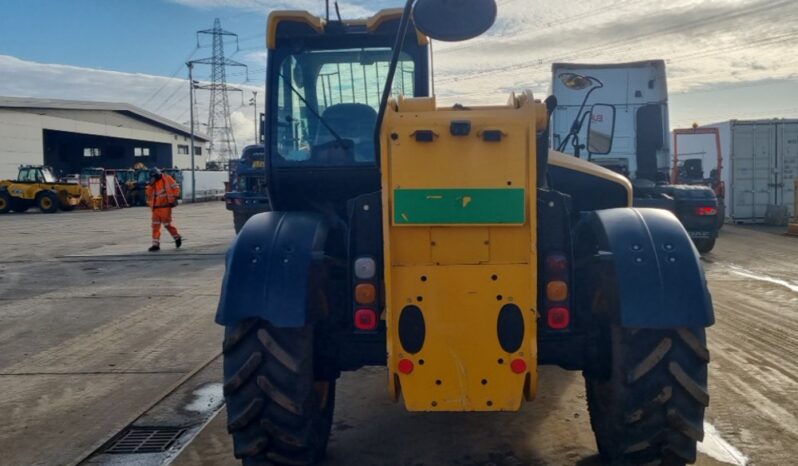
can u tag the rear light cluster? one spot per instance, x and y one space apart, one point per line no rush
706 211
365 294
558 313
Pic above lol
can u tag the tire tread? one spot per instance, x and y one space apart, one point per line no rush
650 410
273 412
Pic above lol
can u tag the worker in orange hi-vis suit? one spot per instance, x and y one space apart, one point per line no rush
162 194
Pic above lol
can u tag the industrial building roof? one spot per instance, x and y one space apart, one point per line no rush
121 107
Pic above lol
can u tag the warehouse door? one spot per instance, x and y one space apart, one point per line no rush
753 161
787 166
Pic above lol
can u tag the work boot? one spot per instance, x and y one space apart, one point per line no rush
154 248
178 242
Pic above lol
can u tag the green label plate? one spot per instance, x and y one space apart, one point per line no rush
459 206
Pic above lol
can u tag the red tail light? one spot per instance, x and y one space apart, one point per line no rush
556 265
706 211
558 318
366 319
518 366
405 366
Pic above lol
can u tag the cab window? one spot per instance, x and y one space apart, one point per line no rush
327 104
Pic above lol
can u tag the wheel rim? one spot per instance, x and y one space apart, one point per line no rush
46 203
3 204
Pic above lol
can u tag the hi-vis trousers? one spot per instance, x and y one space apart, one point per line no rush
162 216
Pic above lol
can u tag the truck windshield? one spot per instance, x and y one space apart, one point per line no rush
327 103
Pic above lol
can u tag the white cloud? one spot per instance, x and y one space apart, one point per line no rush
703 42
735 49
30 79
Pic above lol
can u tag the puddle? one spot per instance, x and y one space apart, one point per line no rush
714 446
207 399
792 286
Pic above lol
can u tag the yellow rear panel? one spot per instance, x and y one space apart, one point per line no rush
460 222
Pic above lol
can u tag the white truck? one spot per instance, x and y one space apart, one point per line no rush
639 93
635 97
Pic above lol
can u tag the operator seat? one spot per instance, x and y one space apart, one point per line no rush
694 169
350 121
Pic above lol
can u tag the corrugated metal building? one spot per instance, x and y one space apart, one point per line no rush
71 135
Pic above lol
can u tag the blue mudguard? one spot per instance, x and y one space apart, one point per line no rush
269 268
656 269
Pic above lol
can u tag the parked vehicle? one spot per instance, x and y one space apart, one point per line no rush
249 191
696 207
698 160
640 150
36 186
452 246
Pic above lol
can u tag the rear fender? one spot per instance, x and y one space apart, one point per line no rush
648 259
271 267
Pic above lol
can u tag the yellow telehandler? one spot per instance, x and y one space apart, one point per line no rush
452 246
36 186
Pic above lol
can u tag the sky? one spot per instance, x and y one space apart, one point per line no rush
726 59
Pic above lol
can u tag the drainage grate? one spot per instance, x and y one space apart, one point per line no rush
144 440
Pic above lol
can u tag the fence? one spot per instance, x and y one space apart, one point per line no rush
210 185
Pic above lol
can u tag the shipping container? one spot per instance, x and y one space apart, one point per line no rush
760 166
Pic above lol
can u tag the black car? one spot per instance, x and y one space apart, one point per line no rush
696 206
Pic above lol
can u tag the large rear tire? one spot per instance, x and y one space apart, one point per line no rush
239 219
5 202
279 411
649 409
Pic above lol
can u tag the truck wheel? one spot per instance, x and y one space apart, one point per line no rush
278 412
5 202
704 245
19 205
47 202
649 408
239 219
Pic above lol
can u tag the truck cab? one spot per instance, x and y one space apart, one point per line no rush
639 92
641 146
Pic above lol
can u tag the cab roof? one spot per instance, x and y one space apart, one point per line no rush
288 23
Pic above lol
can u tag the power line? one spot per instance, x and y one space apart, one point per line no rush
172 76
177 89
595 12
626 42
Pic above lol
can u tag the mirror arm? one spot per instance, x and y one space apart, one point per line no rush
401 33
580 117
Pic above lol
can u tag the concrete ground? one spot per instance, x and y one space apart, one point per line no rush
96 334
93 329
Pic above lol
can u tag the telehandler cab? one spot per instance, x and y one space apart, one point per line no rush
451 245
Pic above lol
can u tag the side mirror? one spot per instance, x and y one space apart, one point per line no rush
575 82
601 130
454 20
